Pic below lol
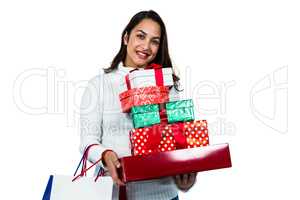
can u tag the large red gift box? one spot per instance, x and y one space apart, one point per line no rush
168 137
171 163
143 96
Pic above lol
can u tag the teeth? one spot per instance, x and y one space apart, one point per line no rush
142 54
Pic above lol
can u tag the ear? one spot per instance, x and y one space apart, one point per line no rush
125 39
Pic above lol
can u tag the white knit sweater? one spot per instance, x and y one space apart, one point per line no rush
103 122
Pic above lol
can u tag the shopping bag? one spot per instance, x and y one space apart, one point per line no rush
61 187
79 187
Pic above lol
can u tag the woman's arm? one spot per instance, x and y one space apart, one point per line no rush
91 114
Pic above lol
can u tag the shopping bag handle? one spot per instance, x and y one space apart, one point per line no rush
84 159
84 168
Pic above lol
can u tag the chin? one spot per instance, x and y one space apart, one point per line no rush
141 63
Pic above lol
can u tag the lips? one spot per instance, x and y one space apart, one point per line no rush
142 55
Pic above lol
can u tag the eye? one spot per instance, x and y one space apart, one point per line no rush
156 42
141 36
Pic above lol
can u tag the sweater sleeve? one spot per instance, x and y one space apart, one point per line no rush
91 114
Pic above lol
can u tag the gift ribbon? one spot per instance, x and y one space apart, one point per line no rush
127 79
177 130
159 79
155 135
163 116
178 134
155 132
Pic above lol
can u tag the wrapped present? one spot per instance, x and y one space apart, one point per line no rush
171 163
153 75
168 137
145 115
196 133
179 111
143 96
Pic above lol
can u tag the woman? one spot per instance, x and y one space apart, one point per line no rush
143 41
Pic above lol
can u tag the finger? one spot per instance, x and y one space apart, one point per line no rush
113 171
192 178
118 180
185 179
117 163
120 183
114 158
178 179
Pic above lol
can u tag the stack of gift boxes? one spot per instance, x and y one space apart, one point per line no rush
167 128
161 127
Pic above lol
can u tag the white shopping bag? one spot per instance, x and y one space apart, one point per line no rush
80 187
85 188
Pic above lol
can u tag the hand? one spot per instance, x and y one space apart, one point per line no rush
185 181
111 161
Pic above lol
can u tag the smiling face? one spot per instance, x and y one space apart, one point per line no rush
142 43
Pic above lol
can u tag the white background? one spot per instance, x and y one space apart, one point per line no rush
233 58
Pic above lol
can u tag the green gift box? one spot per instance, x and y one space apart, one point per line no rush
145 115
179 111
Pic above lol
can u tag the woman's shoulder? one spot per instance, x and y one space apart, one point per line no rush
95 80
103 78
98 78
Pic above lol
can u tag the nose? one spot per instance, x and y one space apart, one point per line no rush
146 45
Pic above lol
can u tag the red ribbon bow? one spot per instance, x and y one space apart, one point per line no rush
155 135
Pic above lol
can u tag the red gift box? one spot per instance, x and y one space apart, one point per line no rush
167 137
171 163
144 96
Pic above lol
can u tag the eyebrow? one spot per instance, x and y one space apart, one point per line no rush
146 34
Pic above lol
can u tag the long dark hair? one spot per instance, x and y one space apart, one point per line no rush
162 56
